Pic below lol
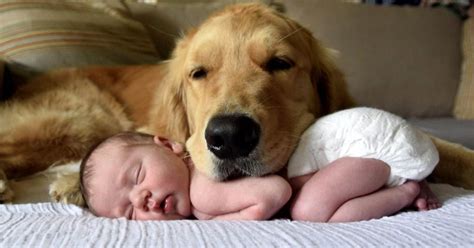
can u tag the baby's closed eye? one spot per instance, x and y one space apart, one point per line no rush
139 174
129 214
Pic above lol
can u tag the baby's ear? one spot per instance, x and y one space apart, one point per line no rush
174 146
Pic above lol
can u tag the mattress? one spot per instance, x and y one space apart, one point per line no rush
47 224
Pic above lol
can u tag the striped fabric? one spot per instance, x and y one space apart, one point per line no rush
44 34
464 106
2 66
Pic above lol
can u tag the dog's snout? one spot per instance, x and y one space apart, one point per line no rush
232 136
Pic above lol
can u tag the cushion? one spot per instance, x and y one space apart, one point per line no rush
42 35
464 106
405 60
169 20
450 129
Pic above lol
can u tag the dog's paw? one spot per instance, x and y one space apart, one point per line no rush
6 193
66 189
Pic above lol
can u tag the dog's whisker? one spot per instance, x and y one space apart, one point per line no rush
288 136
266 100
186 156
288 144
163 32
274 107
290 34
292 137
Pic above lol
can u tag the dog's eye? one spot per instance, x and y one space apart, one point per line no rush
198 73
278 64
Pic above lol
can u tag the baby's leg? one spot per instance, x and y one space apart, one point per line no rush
344 179
378 204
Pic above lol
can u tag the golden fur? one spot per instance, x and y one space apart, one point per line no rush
223 67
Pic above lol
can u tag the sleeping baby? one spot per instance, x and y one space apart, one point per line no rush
341 171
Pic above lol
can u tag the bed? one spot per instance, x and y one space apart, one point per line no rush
35 222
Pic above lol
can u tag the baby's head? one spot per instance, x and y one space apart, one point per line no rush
137 176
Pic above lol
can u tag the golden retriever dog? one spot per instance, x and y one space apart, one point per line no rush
239 90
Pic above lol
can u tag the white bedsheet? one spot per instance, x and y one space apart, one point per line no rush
60 225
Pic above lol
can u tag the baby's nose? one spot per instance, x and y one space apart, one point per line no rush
141 199
152 204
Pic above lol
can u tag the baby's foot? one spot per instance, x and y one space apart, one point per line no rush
426 199
410 190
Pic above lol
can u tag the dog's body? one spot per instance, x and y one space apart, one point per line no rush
239 91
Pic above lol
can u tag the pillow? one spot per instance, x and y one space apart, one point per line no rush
405 60
42 35
464 106
2 66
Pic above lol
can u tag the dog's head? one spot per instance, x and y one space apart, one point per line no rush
244 86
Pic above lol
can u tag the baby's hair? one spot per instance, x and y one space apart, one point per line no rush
87 166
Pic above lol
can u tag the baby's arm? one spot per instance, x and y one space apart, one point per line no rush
252 198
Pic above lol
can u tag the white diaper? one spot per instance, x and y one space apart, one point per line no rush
366 133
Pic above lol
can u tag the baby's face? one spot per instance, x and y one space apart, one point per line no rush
140 182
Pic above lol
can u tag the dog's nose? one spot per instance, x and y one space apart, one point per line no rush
232 136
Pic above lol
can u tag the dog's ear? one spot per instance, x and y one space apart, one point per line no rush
326 77
168 115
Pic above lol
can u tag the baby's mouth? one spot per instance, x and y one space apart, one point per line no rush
168 204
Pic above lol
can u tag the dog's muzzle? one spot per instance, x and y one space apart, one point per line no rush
232 139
